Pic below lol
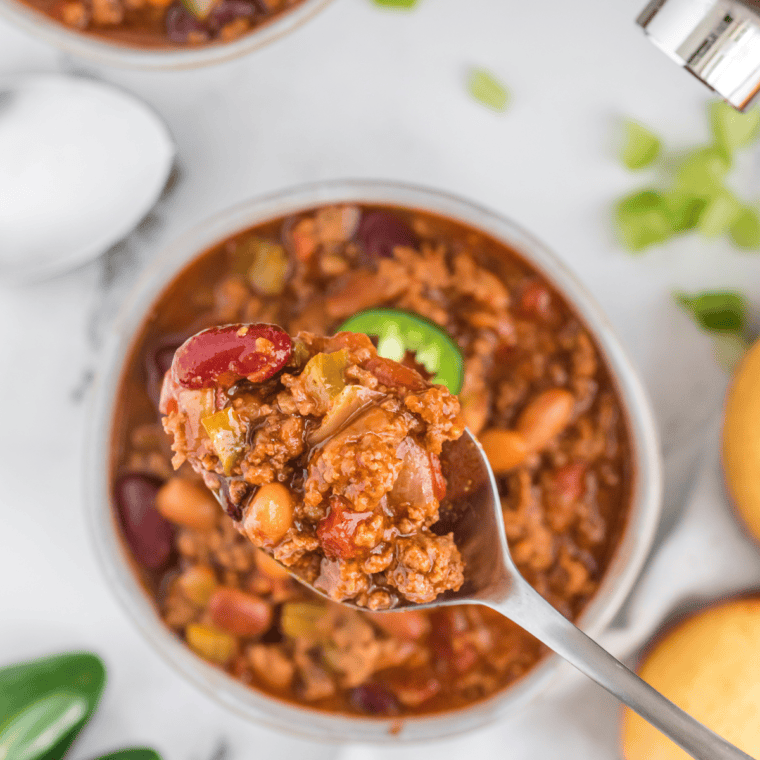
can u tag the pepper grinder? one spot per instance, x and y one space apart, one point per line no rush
718 41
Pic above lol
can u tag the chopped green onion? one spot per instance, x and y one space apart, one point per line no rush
723 314
683 209
717 311
745 231
702 171
720 213
487 89
396 3
729 349
733 129
640 146
642 220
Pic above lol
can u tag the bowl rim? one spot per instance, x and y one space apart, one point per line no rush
100 51
625 566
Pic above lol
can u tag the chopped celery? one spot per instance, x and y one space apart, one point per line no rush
488 90
723 314
729 348
733 129
642 220
323 375
683 209
301 620
227 434
199 8
300 355
717 311
745 230
269 269
720 213
702 171
640 146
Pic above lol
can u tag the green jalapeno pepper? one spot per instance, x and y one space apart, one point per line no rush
401 331
44 704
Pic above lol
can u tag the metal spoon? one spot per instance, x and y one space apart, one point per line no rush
492 579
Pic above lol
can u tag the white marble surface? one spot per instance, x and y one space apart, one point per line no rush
365 93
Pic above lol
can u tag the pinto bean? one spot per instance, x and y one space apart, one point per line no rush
269 515
505 449
239 613
545 417
188 504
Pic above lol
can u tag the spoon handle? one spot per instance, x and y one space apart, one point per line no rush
532 612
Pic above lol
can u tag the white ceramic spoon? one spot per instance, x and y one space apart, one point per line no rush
81 163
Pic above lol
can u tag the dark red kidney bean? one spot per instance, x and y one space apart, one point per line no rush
180 24
228 10
257 352
148 533
380 232
158 361
373 699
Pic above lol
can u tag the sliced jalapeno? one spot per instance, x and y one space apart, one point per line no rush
400 331
45 703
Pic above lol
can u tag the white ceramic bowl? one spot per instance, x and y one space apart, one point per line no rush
102 51
626 564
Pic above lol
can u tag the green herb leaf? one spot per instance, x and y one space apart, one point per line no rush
717 311
135 753
396 3
488 90
640 148
745 230
45 703
733 129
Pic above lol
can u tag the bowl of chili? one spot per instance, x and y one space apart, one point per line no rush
473 302
159 34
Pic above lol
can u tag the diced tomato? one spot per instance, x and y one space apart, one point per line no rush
303 236
439 482
568 483
394 375
337 531
447 638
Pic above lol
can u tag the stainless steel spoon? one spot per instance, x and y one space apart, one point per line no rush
492 579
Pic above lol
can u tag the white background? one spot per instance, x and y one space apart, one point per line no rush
357 92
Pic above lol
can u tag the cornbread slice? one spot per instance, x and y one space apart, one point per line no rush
709 666
741 440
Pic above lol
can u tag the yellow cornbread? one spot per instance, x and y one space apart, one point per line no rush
709 666
741 440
